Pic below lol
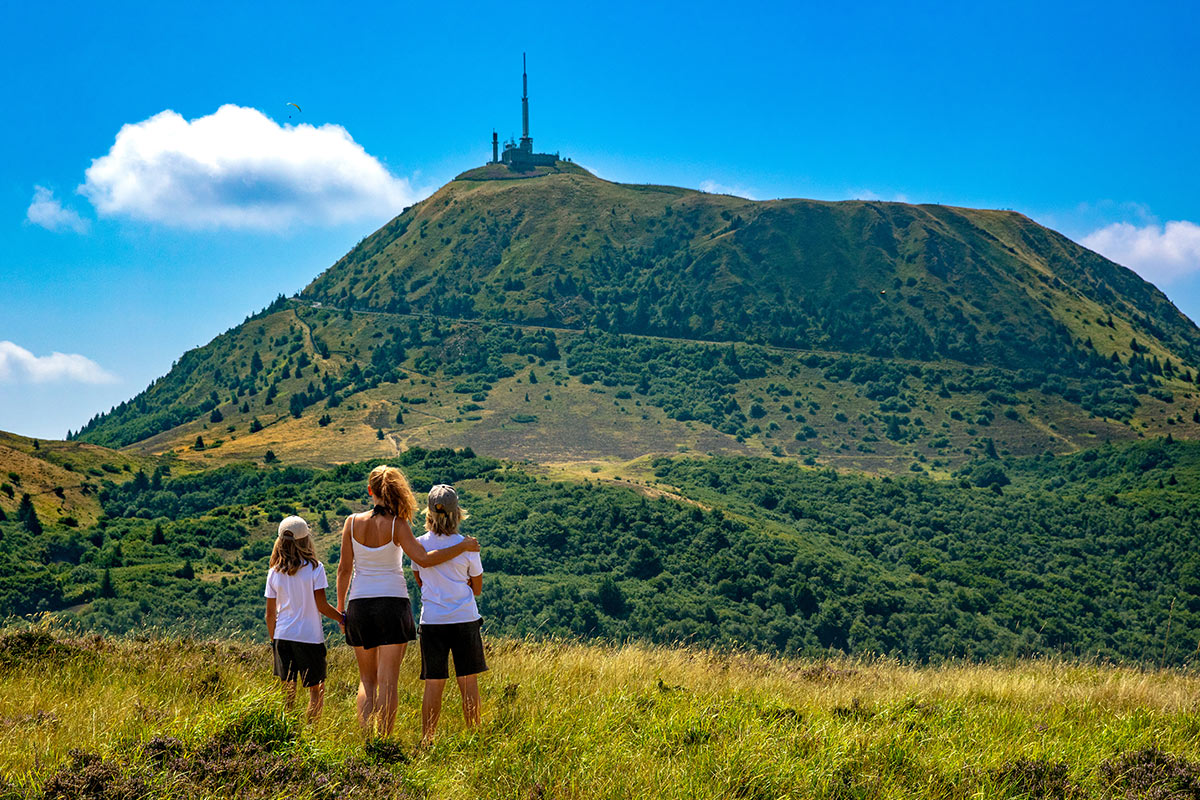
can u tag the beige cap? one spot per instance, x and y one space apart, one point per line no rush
295 527
443 498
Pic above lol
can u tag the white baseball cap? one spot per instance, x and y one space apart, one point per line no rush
295 527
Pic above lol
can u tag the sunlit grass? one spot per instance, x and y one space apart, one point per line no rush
563 719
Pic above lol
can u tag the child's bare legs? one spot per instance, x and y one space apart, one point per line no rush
431 708
378 675
431 705
289 693
468 687
316 701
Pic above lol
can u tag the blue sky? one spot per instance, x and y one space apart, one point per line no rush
120 253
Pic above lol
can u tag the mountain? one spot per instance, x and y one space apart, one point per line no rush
887 279
881 337
794 426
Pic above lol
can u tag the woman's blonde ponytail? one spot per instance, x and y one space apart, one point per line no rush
392 492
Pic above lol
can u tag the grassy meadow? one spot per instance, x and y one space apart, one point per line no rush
92 717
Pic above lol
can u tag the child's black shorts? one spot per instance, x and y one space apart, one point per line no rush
301 661
463 639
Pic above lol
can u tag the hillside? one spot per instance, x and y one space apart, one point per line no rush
915 431
155 717
888 279
878 337
1090 555
61 479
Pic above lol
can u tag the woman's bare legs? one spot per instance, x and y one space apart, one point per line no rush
368 667
387 680
378 684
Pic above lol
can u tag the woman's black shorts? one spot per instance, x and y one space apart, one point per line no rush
463 639
372 621
302 661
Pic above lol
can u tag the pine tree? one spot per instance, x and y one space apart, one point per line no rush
186 571
199 445
610 597
216 416
28 516
399 417
159 538
323 523
106 585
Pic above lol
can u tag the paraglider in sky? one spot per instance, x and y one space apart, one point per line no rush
293 105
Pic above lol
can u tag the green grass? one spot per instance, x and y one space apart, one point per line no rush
177 718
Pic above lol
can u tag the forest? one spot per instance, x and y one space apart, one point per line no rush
1089 555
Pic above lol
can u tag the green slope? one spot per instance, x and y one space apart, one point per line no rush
1087 555
889 279
871 336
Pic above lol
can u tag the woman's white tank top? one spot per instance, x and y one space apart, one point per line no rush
377 570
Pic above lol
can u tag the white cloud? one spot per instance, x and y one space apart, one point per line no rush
712 187
18 365
46 211
1159 253
237 168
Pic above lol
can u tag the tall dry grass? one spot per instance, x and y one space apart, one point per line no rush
570 720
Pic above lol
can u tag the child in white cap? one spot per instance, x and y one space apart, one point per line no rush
295 595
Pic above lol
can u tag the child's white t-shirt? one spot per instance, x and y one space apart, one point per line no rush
296 615
446 597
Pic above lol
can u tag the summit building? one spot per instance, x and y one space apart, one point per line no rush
519 155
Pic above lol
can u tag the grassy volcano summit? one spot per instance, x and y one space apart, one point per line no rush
575 322
887 279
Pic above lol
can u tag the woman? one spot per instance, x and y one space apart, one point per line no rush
373 593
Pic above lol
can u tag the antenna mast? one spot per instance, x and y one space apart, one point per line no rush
526 142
